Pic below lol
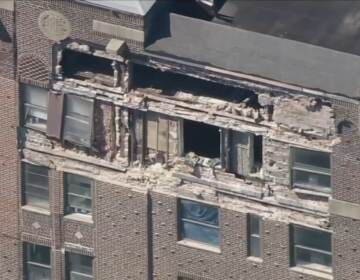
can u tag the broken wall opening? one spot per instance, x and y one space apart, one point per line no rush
244 153
202 139
170 83
258 152
87 67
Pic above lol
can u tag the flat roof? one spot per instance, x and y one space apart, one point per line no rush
138 7
327 23
245 51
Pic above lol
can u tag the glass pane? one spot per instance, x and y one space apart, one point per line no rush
199 212
311 180
35 95
38 273
304 257
77 131
36 118
78 106
81 264
254 224
79 204
309 157
41 170
36 200
77 276
40 181
78 185
200 233
312 238
39 254
255 246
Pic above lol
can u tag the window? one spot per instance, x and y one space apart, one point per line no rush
202 139
35 107
254 236
311 248
311 170
79 267
199 222
157 132
36 185
78 120
87 67
37 262
79 194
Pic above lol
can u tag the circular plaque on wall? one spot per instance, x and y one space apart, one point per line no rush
54 25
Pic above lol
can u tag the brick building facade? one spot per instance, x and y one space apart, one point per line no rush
123 157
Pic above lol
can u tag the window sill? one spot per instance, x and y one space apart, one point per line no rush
35 209
34 128
311 272
255 259
311 192
200 246
80 218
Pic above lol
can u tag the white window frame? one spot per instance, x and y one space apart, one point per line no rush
311 169
81 120
68 193
312 266
30 263
28 107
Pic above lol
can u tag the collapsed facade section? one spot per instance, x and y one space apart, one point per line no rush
164 166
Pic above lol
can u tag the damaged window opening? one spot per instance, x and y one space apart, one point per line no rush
175 85
87 67
35 102
202 139
157 134
78 120
245 153
311 170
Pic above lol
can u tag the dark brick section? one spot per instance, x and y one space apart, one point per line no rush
346 260
77 233
172 259
10 247
121 232
37 224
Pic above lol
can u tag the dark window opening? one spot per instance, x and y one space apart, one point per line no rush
258 152
87 67
311 170
171 83
201 9
202 139
245 153
345 127
4 35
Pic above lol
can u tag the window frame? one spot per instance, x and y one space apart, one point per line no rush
26 184
181 220
66 198
293 245
258 236
309 169
78 118
69 270
27 262
27 107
